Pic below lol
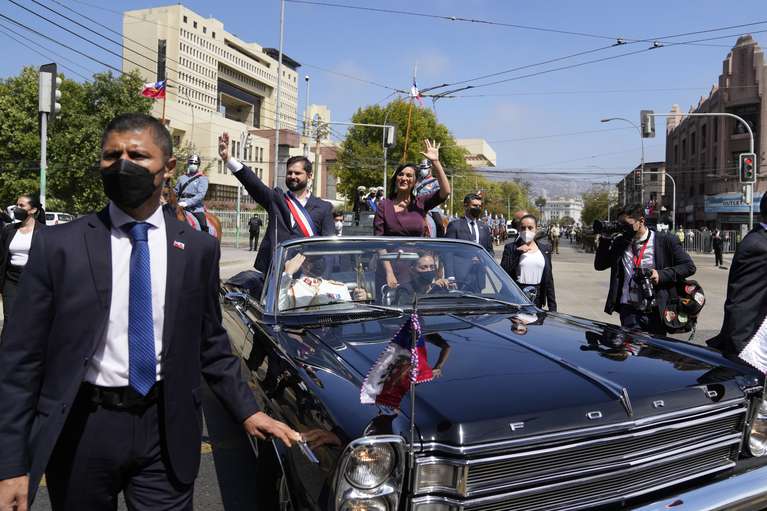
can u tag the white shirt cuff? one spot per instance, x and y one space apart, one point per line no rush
234 165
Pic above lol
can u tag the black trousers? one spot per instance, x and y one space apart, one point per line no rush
648 322
203 221
254 239
102 452
718 256
9 296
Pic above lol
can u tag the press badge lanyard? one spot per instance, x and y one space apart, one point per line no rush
638 258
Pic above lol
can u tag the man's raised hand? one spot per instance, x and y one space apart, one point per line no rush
223 147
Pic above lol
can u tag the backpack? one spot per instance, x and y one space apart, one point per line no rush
681 313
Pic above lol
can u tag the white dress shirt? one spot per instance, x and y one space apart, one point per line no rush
109 365
648 261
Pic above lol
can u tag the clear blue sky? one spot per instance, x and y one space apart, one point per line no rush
385 47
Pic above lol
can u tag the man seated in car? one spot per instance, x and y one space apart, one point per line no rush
425 279
303 284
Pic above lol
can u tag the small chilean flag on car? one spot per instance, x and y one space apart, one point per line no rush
398 367
154 90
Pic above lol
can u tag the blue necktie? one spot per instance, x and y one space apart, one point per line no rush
141 354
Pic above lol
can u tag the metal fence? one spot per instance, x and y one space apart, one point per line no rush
230 222
702 241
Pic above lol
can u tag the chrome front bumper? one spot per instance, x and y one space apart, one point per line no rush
739 492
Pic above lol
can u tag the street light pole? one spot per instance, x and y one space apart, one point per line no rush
641 163
279 94
673 199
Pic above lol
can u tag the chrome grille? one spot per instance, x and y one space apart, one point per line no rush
586 457
625 484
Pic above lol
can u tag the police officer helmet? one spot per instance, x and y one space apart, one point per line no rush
194 160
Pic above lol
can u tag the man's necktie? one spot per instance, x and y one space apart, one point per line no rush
473 229
141 353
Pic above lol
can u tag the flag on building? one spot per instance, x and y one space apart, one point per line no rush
398 367
154 90
415 93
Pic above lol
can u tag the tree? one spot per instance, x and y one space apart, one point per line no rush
74 140
594 207
360 160
566 221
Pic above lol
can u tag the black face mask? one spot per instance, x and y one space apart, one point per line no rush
20 214
475 212
628 230
425 277
127 184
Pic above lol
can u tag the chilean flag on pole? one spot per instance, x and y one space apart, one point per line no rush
154 90
415 93
398 367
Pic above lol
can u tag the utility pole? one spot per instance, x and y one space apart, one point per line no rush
279 94
48 106
321 131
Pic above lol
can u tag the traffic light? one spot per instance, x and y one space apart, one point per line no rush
50 91
638 177
647 121
747 168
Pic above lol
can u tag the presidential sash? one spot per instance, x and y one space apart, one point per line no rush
300 215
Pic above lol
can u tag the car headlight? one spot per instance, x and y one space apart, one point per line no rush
437 476
370 474
370 465
757 434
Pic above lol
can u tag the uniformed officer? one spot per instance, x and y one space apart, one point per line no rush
191 189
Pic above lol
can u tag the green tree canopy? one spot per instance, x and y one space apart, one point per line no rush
360 160
73 140
594 207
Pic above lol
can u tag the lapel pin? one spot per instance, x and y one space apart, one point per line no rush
178 245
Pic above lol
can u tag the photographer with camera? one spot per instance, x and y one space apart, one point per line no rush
645 268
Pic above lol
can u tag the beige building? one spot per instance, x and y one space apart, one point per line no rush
480 154
217 82
653 187
702 152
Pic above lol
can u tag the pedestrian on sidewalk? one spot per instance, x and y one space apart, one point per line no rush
746 304
294 213
718 244
635 256
254 229
15 244
100 378
528 262
554 235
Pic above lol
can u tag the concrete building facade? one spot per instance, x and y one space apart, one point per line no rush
216 82
653 189
702 152
560 207
480 153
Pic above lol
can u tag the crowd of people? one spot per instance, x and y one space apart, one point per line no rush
103 366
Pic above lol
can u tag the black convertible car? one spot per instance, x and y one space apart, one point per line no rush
513 408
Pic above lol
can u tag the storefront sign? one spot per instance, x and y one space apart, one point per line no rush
730 203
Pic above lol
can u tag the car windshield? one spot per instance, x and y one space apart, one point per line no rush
339 274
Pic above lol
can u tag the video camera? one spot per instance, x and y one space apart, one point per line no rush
606 228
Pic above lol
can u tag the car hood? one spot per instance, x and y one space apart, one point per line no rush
549 372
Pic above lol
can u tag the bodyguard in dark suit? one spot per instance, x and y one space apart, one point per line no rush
290 211
639 247
746 303
469 227
100 378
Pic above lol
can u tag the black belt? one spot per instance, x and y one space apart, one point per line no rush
121 398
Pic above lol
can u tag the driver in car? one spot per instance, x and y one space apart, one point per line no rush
425 280
303 285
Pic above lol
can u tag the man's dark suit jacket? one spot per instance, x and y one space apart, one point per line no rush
273 201
459 229
746 303
6 236
67 289
510 263
671 261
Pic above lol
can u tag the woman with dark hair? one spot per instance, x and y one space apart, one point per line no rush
528 261
404 214
15 242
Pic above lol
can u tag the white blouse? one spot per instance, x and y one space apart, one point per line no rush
19 248
531 266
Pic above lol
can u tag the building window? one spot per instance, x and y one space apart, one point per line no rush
213 34
653 177
194 24
716 165
703 137
692 144
676 153
204 30
716 130
701 189
684 148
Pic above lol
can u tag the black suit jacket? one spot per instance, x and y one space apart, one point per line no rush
67 286
6 236
510 262
273 201
671 261
459 229
746 303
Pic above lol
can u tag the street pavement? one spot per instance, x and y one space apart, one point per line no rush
227 471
